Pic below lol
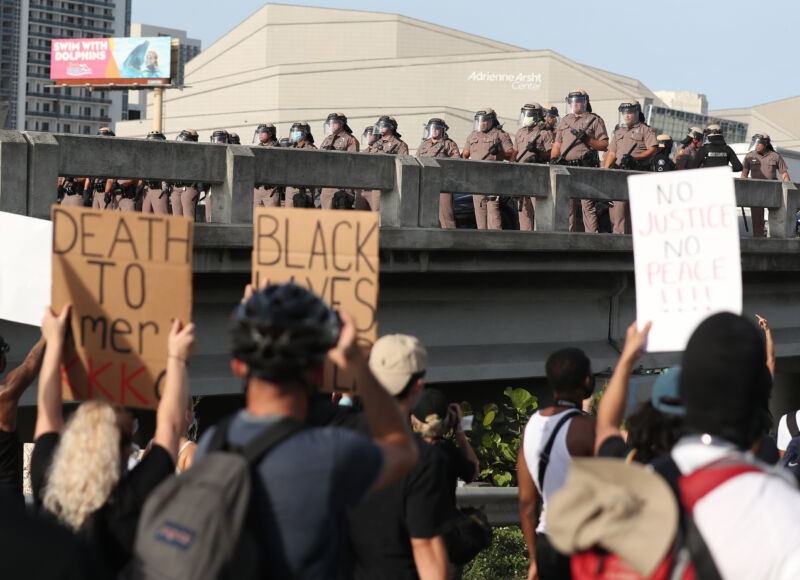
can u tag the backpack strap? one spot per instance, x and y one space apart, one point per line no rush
544 455
791 423
268 438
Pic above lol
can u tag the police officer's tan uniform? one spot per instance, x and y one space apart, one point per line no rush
766 165
543 139
370 199
125 199
341 141
99 198
292 191
266 195
687 153
487 213
184 199
633 140
443 148
156 197
72 191
596 130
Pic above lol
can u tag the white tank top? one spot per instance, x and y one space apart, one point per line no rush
537 433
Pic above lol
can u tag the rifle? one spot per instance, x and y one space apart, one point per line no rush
571 145
495 144
535 140
626 160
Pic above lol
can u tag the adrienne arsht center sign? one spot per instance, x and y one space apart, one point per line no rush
102 61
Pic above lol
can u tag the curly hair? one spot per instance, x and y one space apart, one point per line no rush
653 433
87 464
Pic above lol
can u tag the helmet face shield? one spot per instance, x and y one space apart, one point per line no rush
332 126
296 133
219 137
530 116
577 104
629 114
263 134
756 140
382 127
368 137
186 135
483 122
434 130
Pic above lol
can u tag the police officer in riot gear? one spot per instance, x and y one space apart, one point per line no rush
530 149
579 137
368 137
220 137
265 134
103 191
436 143
300 138
489 142
662 161
716 153
233 138
154 193
387 141
689 147
762 162
338 137
184 196
70 191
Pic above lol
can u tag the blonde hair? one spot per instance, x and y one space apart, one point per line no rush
434 426
87 464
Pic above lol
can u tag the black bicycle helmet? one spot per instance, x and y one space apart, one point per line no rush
282 331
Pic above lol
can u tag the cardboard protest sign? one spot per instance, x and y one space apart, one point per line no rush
332 253
686 251
24 268
127 276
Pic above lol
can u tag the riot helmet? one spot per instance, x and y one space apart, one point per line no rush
155 136
578 102
368 137
281 331
219 136
551 117
105 132
285 142
530 114
384 125
265 133
335 123
760 139
298 132
713 134
665 143
435 129
695 134
485 120
234 138
187 135
630 113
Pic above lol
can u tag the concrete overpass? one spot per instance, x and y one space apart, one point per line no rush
490 306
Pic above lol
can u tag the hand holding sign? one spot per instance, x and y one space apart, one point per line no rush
686 251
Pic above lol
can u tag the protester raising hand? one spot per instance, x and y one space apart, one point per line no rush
54 330
762 322
612 406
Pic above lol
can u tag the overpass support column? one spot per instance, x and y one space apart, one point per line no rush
232 200
44 159
13 172
430 187
552 212
782 220
400 206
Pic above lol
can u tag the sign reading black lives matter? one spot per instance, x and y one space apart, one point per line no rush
127 276
332 253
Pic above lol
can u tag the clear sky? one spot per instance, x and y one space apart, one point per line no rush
739 53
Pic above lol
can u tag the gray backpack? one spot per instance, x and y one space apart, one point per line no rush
198 525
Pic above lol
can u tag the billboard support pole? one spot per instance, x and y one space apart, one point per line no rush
158 109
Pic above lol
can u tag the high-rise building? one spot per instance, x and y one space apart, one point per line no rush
188 49
28 27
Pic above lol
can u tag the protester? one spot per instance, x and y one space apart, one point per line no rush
11 389
280 338
552 437
187 446
395 534
655 426
436 420
78 469
725 387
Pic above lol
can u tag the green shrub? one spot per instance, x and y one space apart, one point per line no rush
506 558
496 435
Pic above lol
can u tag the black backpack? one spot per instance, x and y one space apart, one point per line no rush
792 454
199 525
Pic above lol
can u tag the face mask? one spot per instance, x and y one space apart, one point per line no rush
297 136
529 122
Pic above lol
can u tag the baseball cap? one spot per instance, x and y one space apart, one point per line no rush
665 393
394 359
622 508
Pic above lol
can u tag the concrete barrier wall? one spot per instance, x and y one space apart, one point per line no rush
30 164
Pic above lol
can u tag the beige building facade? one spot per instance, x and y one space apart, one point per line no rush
291 63
779 119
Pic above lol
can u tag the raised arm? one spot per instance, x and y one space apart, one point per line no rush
762 322
388 426
169 415
49 416
16 382
529 515
611 409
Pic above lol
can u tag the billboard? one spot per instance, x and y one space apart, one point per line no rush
103 61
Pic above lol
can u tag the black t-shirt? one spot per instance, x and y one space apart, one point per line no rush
456 466
112 528
380 527
11 465
615 446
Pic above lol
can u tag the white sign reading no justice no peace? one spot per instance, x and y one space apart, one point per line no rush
685 251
